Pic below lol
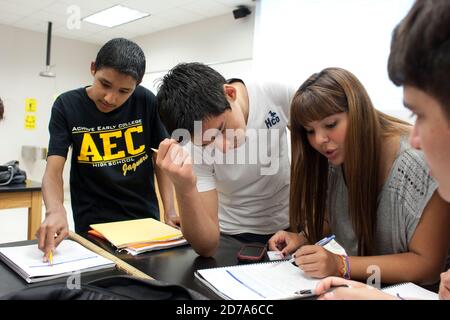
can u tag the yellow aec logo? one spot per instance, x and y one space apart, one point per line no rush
90 153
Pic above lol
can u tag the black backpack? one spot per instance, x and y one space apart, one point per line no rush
10 173
109 288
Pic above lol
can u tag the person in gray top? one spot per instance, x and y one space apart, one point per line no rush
420 62
354 175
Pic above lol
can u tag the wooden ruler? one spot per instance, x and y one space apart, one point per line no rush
120 264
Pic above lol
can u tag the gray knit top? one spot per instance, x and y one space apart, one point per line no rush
401 202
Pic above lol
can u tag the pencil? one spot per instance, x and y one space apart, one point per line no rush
312 292
50 257
154 150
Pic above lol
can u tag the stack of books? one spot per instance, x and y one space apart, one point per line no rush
140 235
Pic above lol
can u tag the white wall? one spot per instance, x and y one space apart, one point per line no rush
295 38
222 42
22 57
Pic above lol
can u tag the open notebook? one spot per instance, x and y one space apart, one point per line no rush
280 280
257 281
410 291
68 257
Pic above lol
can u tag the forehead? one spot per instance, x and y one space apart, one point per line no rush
115 77
214 122
420 101
416 98
340 115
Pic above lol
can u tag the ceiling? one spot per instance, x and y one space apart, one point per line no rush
35 14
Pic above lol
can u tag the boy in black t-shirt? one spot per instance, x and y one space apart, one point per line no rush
111 127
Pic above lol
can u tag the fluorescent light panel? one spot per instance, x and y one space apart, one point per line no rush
115 16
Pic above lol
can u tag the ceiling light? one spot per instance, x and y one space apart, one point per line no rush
115 16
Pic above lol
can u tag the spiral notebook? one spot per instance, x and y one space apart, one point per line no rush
280 280
68 257
411 291
258 281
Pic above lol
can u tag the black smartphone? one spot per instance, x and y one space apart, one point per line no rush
251 252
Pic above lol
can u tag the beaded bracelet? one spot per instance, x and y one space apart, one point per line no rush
343 270
347 267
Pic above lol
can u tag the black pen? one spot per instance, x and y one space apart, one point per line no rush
312 292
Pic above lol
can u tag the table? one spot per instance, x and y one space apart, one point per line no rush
174 265
177 265
24 195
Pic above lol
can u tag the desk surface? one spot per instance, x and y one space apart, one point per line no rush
175 265
22 187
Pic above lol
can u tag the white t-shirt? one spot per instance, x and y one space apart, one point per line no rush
252 181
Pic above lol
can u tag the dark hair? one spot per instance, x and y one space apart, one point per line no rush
336 90
123 55
420 50
190 92
2 109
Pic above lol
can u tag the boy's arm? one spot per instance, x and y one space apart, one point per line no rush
165 187
55 222
198 211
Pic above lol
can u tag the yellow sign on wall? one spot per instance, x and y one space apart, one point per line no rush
30 105
30 122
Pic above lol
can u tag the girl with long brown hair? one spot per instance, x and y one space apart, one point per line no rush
354 174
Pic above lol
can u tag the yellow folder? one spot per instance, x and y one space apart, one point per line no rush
124 233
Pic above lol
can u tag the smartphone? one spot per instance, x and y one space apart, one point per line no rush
251 252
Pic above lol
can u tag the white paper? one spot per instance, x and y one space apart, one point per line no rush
276 280
68 257
411 291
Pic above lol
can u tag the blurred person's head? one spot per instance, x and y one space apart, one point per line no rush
420 62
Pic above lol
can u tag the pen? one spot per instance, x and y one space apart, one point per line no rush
50 257
325 240
312 292
322 242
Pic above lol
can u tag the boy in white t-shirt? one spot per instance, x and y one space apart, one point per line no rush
232 176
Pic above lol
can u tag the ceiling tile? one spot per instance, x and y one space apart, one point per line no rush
207 8
235 3
154 7
34 15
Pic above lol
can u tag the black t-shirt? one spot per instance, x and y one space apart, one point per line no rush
111 177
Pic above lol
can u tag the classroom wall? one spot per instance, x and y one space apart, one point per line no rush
296 38
22 57
222 42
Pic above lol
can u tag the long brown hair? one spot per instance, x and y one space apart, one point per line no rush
332 91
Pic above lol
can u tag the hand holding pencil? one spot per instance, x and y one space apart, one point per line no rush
316 261
176 163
